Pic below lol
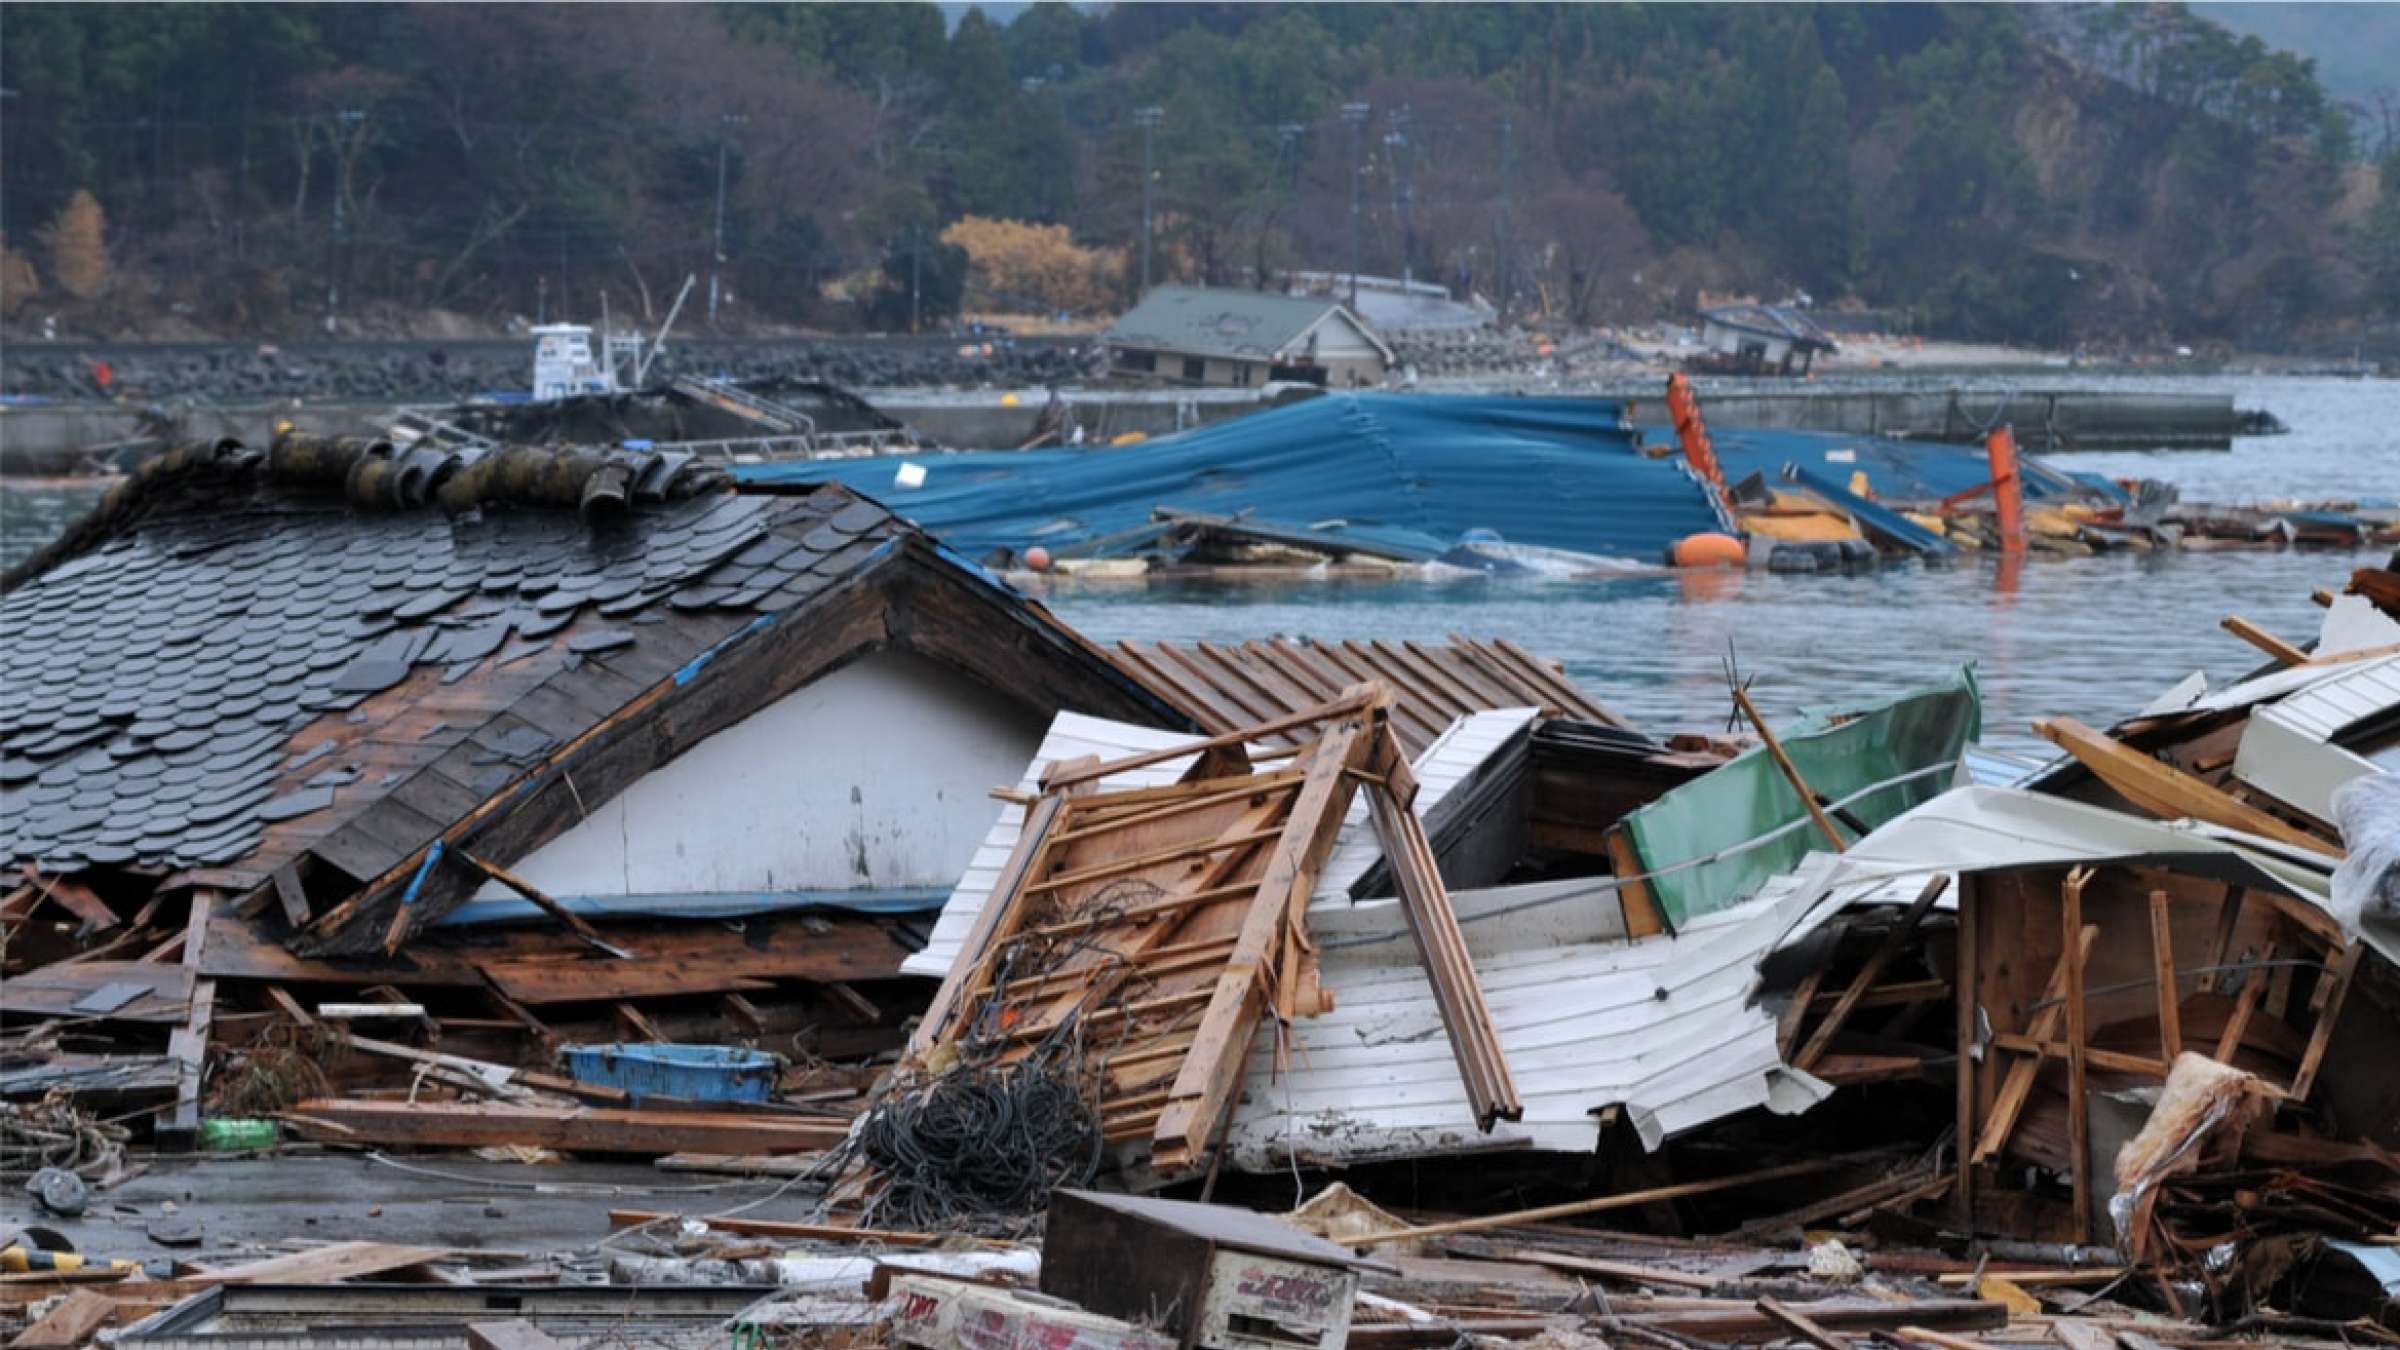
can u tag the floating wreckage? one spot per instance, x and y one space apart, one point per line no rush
1436 485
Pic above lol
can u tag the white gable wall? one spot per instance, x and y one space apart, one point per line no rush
876 775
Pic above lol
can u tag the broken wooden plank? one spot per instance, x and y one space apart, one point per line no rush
823 1232
2320 1036
2283 653
1893 941
2018 1085
1601 1204
1800 1325
1220 1049
74 1322
585 1129
188 1044
2162 958
1791 771
328 1264
516 1335
2166 791
75 898
743 1164
573 922
1441 948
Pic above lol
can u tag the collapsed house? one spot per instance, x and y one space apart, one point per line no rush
357 716
567 747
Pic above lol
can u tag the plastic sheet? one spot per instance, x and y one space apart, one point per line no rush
1411 473
2366 887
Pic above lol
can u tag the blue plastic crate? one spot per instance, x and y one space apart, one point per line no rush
708 1073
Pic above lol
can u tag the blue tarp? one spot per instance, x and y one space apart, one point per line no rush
1409 473
1896 470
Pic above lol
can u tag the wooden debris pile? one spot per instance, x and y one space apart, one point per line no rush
1139 938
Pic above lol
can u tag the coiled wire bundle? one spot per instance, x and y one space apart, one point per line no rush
981 1142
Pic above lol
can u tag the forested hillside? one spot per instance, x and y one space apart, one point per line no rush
2047 174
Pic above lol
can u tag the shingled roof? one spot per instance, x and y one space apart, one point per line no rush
1208 321
311 666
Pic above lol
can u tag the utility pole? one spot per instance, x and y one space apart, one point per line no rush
1290 154
347 119
1397 145
1355 114
1508 182
726 122
916 274
1148 119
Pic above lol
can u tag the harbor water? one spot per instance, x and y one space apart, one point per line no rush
2092 637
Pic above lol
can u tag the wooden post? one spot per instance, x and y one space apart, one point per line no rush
188 1044
2229 915
2314 1056
2079 1121
1791 771
2254 985
1967 988
2170 1000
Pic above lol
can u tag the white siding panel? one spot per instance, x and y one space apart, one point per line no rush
877 775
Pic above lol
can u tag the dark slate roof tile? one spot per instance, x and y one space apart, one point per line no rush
159 736
298 803
599 640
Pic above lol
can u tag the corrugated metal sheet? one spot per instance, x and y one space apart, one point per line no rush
1664 1027
2349 694
1439 768
1225 688
1977 829
2288 750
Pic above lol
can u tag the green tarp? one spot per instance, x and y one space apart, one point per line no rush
1840 754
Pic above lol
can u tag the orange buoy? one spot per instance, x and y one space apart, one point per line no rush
1710 550
1038 558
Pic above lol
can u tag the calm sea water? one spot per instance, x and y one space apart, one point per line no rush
2091 637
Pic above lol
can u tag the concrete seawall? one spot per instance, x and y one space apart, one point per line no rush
61 438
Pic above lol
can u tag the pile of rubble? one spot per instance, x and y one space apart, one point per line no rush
561 901
434 370
1510 352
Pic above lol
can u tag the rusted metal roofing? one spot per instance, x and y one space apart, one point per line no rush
1224 688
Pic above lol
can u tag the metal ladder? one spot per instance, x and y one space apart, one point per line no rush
419 429
734 399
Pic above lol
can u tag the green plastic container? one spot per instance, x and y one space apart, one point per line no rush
237 1134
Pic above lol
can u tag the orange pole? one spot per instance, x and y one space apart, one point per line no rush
1684 406
2008 490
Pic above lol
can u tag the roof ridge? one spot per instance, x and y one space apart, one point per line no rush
379 474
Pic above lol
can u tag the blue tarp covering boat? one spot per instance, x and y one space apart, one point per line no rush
1406 474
